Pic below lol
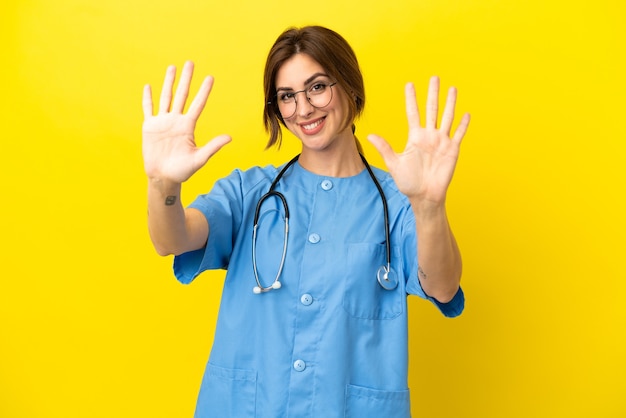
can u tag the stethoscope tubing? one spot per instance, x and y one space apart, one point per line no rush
276 283
385 212
387 279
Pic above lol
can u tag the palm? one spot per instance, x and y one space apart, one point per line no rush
424 169
169 147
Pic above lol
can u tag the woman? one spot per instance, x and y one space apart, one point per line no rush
313 317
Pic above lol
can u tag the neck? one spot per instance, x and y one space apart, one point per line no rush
336 162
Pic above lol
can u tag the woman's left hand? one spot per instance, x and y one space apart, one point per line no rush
424 170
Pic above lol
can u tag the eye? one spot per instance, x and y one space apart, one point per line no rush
285 97
318 88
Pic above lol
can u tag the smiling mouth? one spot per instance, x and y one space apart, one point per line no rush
313 125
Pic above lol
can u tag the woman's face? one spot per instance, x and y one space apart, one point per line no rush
319 128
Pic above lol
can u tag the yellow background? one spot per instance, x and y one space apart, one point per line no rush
92 321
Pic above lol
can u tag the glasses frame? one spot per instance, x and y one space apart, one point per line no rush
306 94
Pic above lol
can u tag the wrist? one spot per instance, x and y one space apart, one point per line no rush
426 211
164 187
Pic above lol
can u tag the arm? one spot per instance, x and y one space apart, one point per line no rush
173 229
439 258
170 158
423 172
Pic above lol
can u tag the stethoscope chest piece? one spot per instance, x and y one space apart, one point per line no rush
387 278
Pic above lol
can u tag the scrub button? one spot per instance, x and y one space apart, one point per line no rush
299 365
327 185
314 238
306 299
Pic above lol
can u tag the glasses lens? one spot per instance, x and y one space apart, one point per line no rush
286 104
320 94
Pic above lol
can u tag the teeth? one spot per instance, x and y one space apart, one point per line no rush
313 125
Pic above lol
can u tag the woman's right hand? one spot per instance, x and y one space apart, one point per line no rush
169 148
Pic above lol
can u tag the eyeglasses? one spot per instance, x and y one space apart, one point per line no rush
318 94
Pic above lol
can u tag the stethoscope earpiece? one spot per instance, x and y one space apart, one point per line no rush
257 289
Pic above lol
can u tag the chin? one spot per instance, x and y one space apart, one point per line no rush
316 144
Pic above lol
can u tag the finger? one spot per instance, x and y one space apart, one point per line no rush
182 91
146 101
448 111
460 131
432 103
208 150
166 92
412 110
198 103
385 150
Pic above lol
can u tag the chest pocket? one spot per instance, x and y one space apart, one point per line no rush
363 297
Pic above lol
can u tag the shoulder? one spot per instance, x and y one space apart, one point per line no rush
389 185
249 179
398 203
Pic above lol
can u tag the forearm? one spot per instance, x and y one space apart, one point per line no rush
439 258
172 230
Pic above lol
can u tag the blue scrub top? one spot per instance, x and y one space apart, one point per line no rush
331 342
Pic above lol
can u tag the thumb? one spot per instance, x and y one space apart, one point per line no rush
213 146
384 149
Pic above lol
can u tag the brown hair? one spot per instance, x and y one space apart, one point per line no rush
331 51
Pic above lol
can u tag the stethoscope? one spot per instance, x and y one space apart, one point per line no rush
385 275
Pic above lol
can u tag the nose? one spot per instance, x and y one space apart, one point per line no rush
303 106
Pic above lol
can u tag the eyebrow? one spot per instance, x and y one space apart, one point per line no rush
307 81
